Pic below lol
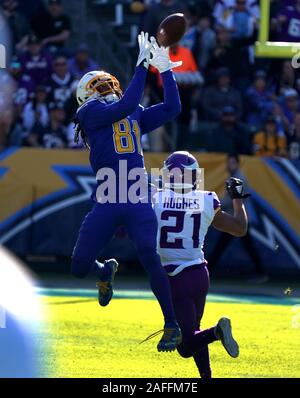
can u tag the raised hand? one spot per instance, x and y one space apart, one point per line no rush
160 57
235 188
145 48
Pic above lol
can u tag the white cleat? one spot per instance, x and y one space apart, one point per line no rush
224 333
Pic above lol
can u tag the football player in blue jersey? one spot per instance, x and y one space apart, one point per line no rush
111 123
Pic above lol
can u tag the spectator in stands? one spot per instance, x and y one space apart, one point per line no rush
24 84
188 79
220 95
53 27
221 55
18 25
282 122
36 111
225 240
207 41
158 11
224 10
30 8
36 62
8 87
288 21
187 74
81 63
275 7
291 104
16 131
259 100
243 22
60 82
269 142
287 77
233 48
294 139
284 3
230 136
190 39
233 53
297 84
204 7
71 105
54 134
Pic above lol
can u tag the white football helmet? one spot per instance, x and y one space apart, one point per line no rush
98 84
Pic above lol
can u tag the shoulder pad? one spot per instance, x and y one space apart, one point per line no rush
91 101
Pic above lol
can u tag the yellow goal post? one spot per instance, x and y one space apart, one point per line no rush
268 49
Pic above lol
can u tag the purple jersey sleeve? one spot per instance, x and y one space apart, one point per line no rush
216 202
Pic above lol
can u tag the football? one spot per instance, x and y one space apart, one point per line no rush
171 30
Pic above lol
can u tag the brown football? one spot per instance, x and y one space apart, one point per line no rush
171 30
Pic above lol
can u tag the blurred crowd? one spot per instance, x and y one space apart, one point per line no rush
232 102
236 103
42 76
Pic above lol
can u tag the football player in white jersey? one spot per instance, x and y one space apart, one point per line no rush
184 214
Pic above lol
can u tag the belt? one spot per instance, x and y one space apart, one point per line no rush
171 268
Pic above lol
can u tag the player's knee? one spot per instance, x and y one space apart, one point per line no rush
79 268
184 351
149 258
147 252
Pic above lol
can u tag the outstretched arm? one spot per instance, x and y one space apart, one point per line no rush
112 112
157 115
235 224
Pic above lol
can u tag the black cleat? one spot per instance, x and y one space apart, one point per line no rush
171 338
224 333
105 288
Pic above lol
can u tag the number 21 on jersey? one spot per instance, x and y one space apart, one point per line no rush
180 218
124 136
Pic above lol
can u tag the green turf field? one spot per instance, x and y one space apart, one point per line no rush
85 340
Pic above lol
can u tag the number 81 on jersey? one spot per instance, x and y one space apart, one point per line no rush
124 137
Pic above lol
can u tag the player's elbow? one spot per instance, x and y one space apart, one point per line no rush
128 105
240 230
175 110
131 107
239 234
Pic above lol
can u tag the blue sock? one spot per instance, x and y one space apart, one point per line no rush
160 285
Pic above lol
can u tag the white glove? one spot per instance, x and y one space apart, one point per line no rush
145 47
160 57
